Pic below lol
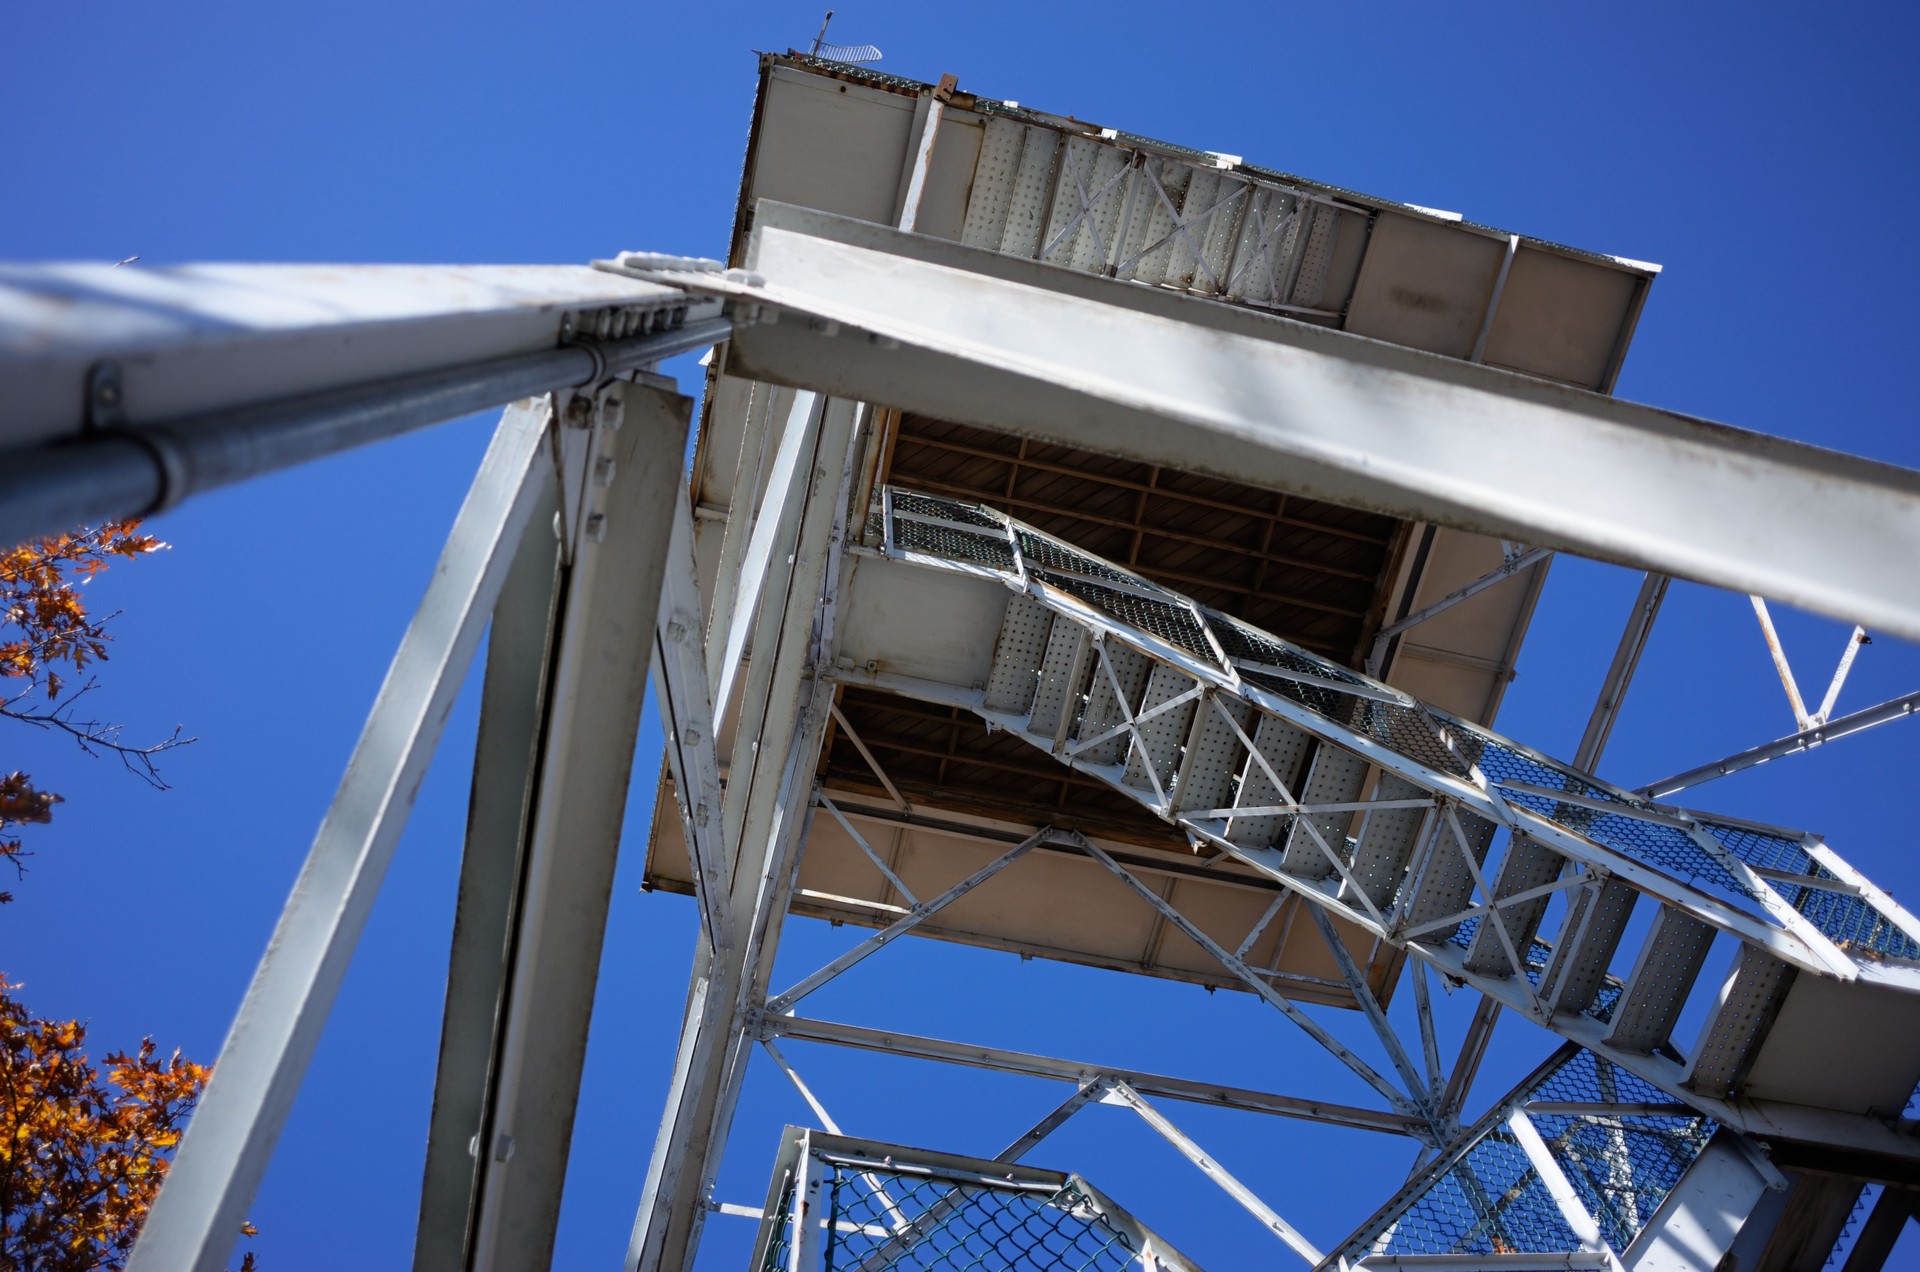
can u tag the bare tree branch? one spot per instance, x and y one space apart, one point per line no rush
97 737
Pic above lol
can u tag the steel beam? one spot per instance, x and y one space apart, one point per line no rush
1626 661
1038 1066
506 752
685 703
1500 573
559 714
1856 722
1885 1224
900 927
1558 1186
780 720
1412 1101
989 340
225 1152
593 710
1248 1199
773 529
131 389
1088 1092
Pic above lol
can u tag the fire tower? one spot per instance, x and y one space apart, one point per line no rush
1094 549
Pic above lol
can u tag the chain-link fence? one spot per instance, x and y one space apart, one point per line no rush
851 1206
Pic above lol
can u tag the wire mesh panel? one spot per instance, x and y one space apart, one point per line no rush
1492 1202
1622 1164
1608 1133
1851 922
845 1204
907 1221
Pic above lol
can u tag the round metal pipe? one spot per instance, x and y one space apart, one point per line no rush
146 468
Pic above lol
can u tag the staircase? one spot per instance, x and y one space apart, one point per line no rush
1591 911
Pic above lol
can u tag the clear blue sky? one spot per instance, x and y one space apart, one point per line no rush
1764 154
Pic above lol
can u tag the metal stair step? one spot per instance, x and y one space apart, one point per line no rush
1444 883
1386 840
1284 748
1662 976
1017 656
1528 863
1214 754
1748 1004
1336 777
1103 708
1063 674
1587 944
1154 756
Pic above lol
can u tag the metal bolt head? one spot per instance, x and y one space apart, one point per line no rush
613 411
603 469
579 412
597 527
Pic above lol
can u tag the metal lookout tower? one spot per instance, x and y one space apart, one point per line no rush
1095 549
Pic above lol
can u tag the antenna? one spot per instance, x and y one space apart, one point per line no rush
847 54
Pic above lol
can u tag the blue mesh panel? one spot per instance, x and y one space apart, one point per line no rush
1850 922
1491 1202
1622 1167
1665 848
1605 999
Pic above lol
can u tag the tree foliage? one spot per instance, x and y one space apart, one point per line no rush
82 1151
45 627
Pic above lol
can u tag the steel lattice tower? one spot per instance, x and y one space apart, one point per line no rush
1094 549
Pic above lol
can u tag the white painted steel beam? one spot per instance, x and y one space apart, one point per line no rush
1626 660
593 711
1832 731
1558 1186
781 719
194 338
1412 1101
1499 574
921 912
997 342
195 1220
130 390
1219 1174
559 715
687 717
773 530
506 750
1038 1066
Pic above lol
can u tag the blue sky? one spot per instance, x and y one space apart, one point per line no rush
1764 154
